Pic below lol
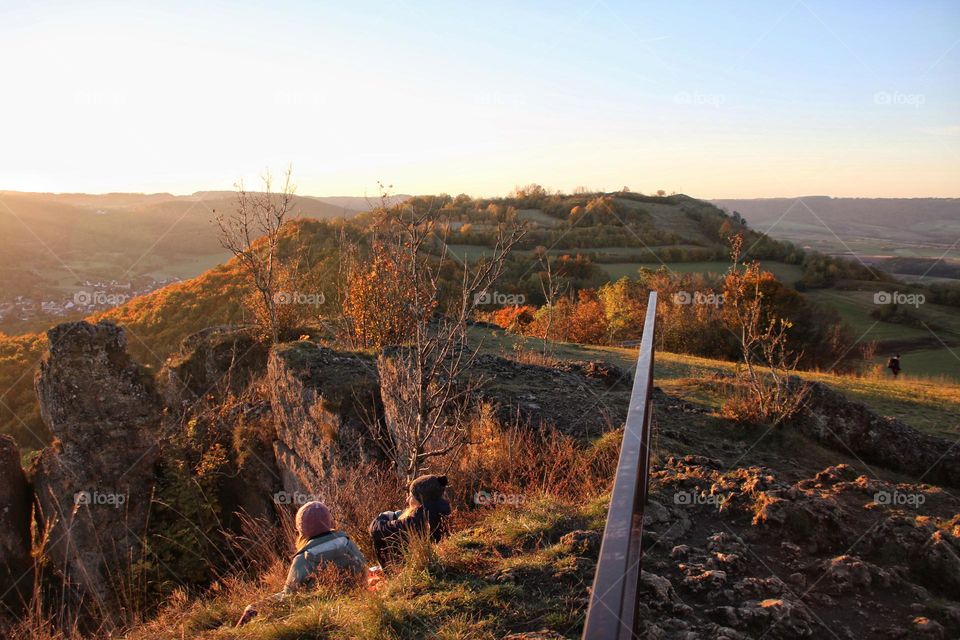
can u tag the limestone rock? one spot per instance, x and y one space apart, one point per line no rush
582 542
535 635
93 485
15 501
211 363
557 396
848 426
323 401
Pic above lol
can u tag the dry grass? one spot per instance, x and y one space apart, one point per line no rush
551 475
439 591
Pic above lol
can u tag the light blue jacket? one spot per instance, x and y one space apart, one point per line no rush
334 548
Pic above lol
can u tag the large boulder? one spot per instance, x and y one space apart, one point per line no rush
210 364
93 484
324 403
582 399
15 501
847 426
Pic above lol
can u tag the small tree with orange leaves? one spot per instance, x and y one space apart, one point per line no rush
402 298
379 303
771 396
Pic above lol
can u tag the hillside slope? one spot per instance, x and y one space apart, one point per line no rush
650 231
53 246
908 227
748 533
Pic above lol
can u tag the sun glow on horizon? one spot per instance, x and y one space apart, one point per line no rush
745 100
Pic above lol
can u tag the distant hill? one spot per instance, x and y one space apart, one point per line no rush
615 234
361 203
51 244
905 227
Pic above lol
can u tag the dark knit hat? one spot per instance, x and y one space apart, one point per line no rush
428 488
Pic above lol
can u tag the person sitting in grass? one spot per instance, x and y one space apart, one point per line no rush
319 547
426 514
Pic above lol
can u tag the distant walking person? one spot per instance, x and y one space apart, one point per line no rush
426 513
894 365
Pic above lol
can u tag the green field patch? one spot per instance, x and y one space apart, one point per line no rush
541 218
788 273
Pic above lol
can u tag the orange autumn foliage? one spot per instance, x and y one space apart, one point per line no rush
514 318
380 304
588 322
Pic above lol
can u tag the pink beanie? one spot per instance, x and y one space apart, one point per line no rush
313 519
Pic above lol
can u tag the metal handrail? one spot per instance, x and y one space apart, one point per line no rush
613 600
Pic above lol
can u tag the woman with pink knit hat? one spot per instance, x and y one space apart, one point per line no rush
319 547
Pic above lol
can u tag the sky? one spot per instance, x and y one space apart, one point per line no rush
713 99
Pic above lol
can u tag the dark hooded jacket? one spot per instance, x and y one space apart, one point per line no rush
389 531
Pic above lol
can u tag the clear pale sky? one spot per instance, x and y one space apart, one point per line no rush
713 99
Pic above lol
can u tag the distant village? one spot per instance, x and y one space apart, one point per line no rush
90 296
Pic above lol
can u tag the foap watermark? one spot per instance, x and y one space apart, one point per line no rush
698 297
496 297
896 297
298 297
483 498
897 99
694 98
696 498
99 298
99 498
295 498
897 499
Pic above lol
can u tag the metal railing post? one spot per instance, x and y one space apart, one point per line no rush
613 599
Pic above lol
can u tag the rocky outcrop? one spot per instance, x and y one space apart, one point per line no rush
93 485
15 501
210 364
577 398
323 403
791 558
849 426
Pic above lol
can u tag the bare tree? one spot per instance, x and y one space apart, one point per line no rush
551 287
251 232
425 384
772 395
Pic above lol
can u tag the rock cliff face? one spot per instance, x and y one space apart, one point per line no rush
15 502
574 397
94 483
211 363
322 401
849 426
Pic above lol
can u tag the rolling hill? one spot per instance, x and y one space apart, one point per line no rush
904 227
620 233
54 247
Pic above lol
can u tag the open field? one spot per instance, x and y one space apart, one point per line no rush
928 403
788 273
186 268
931 362
476 251
907 227
929 349
541 218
